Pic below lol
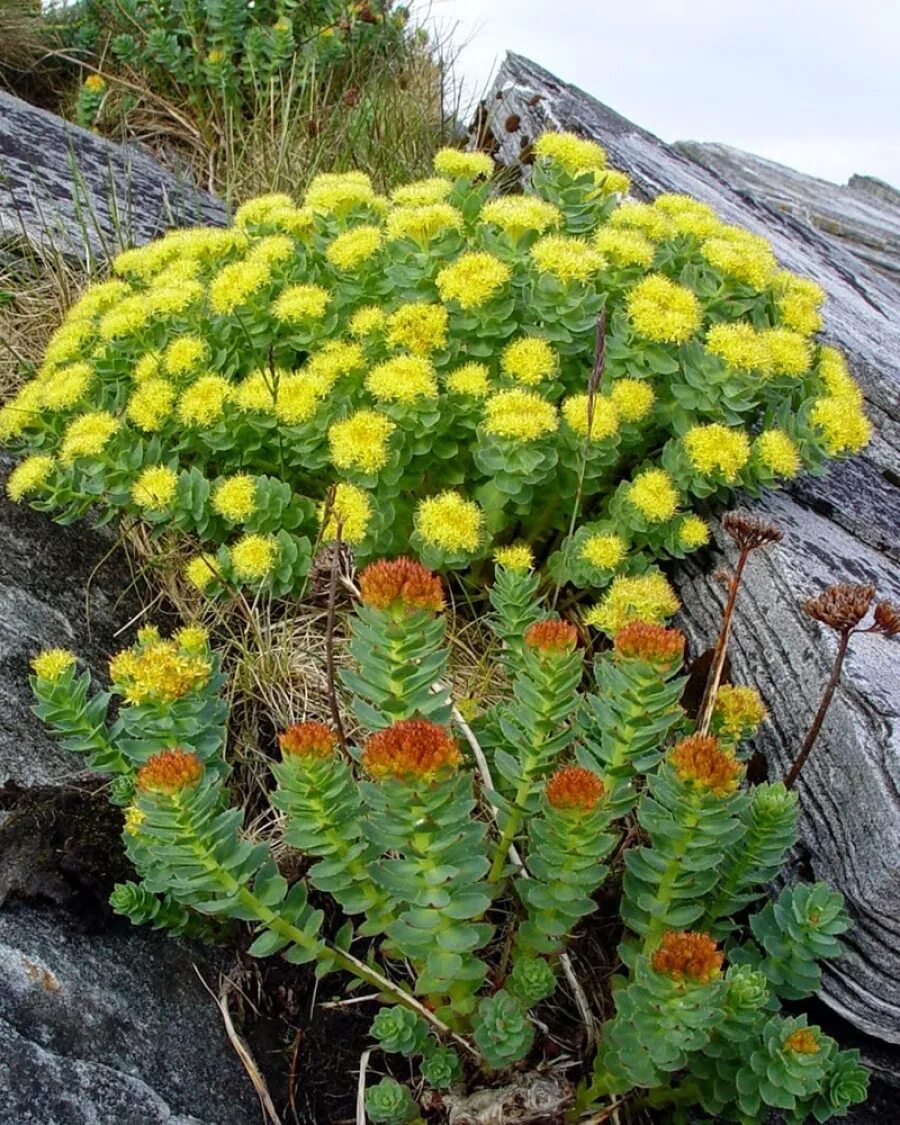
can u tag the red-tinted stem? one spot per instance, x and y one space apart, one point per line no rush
793 773
718 660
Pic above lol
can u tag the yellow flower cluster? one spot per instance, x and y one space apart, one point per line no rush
845 429
473 279
87 435
235 498
353 247
155 487
647 597
604 550
201 571
778 452
158 670
519 415
741 256
253 557
572 153
52 663
738 710
569 259
517 556
693 532
597 417
361 441
421 328
405 378
528 360
454 164
422 193
470 379
515 215
715 448
341 192
422 224
654 494
450 522
633 398
624 247
301 302
29 476
663 311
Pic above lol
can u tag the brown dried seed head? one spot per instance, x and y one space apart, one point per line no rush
887 619
750 531
841 607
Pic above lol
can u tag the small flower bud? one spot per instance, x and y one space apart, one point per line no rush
551 636
802 1042
655 644
169 771
700 759
574 788
401 583
52 663
687 955
308 740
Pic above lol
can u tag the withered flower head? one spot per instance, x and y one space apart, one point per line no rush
401 582
700 758
750 531
887 620
411 749
841 607
802 1042
639 640
686 955
308 740
551 636
169 771
574 788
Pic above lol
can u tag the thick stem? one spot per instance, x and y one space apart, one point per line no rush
721 649
666 884
794 772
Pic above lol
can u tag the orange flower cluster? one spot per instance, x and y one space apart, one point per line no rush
574 788
700 759
308 740
401 582
802 1042
639 640
551 636
169 771
688 956
412 749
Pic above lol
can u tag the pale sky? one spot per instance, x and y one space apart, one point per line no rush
814 84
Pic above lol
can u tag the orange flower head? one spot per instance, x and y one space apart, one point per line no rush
688 956
574 788
551 636
802 1042
169 771
307 740
401 582
411 749
639 640
700 759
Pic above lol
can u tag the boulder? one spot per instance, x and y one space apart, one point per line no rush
844 526
67 190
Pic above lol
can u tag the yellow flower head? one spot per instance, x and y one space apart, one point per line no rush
67 386
174 297
351 510
789 352
155 487
570 152
67 341
663 311
201 571
633 398
259 211
517 556
151 404
654 494
367 321
623 247
835 374
473 279
134 818
339 192
739 711
256 392
845 429
740 345
600 418
192 638
149 366
203 403
353 247
688 216
301 302
299 397
454 163
423 223
778 453
22 411
253 557
450 522
126 318
335 359
52 663
693 532
95 83
604 550
405 378
528 360
632 215
516 214
29 476
159 670
235 498
648 597
611 181
297 221
422 193
361 441
272 249
421 328
569 259
184 354
471 379
717 448
235 283
87 436
519 415
742 257
799 300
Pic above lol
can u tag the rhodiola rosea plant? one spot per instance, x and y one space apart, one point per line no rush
464 861
427 369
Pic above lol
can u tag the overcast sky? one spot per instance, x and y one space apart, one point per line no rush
814 84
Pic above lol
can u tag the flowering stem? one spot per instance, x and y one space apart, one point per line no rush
721 649
329 629
793 773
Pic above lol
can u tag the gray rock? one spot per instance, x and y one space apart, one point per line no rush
863 216
842 527
110 1029
66 189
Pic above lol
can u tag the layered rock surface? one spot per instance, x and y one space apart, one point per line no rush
844 526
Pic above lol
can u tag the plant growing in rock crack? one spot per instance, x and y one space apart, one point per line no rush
430 362
461 892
